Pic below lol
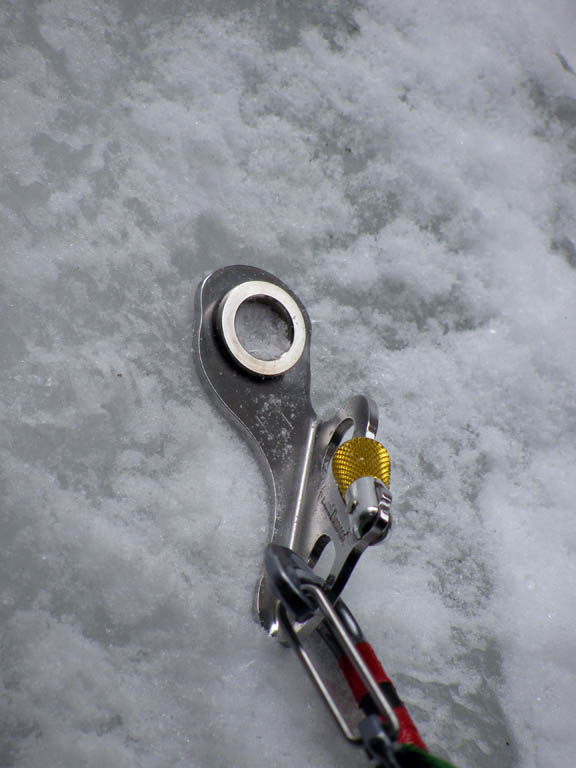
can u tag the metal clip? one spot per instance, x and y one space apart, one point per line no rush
296 587
269 399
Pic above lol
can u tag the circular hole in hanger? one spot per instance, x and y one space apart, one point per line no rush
264 328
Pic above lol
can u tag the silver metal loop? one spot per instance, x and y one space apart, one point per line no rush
226 320
346 634
346 643
306 661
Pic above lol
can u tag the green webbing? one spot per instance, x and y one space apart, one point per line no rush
412 757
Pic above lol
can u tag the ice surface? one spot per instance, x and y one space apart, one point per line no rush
408 169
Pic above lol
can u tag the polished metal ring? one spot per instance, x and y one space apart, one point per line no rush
259 289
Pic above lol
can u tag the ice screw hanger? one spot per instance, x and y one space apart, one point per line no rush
349 506
269 400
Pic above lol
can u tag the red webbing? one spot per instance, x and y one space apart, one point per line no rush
408 732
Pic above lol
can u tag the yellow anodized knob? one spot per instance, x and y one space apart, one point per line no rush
360 457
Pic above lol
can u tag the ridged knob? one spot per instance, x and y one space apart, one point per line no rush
360 457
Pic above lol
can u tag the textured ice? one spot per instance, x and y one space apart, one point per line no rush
408 169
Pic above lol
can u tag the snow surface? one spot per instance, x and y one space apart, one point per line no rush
408 169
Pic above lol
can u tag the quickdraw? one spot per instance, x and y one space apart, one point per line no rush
268 397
